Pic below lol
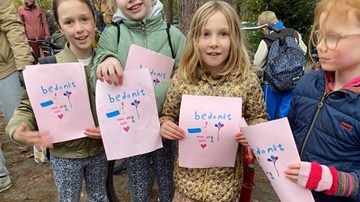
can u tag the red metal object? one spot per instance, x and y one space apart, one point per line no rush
248 172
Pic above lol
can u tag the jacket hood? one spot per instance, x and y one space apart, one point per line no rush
157 8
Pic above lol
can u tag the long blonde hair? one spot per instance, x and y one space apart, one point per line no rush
191 64
110 10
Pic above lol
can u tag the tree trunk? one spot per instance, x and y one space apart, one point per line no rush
188 8
169 12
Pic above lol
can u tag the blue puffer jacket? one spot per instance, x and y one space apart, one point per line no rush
326 126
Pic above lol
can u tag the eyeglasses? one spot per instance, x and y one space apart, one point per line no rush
331 40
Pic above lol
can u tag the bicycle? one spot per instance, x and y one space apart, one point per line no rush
42 48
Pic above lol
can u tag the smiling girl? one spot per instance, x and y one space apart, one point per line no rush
81 159
141 22
215 63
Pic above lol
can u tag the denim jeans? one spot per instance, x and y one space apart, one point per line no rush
10 94
3 171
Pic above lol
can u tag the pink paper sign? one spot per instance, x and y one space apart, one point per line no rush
59 97
274 147
128 116
210 124
160 66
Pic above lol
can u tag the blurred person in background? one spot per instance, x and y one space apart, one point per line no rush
35 23
14 56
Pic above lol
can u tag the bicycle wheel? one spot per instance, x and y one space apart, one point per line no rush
117 186
116 183
110 182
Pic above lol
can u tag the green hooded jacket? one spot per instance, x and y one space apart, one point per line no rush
149 33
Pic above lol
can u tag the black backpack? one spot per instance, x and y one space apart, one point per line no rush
285 62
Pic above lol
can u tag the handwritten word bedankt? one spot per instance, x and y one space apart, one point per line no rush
209 116
123 96
57 87
271 149
157 74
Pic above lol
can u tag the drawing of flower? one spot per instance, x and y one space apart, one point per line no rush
68 93
136 103
156 81
219 125
273 159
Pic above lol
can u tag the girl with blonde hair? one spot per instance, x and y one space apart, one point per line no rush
215 62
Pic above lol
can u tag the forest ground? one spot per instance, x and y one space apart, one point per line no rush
33 182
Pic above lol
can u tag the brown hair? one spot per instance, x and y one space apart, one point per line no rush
56 5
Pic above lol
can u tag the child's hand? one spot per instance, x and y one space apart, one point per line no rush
171 131
25 136
240 138
292 171
111 71
93 132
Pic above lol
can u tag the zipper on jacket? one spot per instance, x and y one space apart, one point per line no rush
320 105
143 29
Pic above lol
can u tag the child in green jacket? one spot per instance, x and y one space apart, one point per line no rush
80 159
141 23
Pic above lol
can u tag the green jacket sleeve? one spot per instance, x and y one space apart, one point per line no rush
106 47
178 41
24 113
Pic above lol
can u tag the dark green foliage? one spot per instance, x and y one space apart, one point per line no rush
298 14
44 4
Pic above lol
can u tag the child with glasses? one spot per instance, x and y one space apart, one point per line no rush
325 114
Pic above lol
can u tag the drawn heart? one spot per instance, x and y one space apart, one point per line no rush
60 116
127 128
203 145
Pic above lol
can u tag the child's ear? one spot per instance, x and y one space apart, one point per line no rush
265 31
